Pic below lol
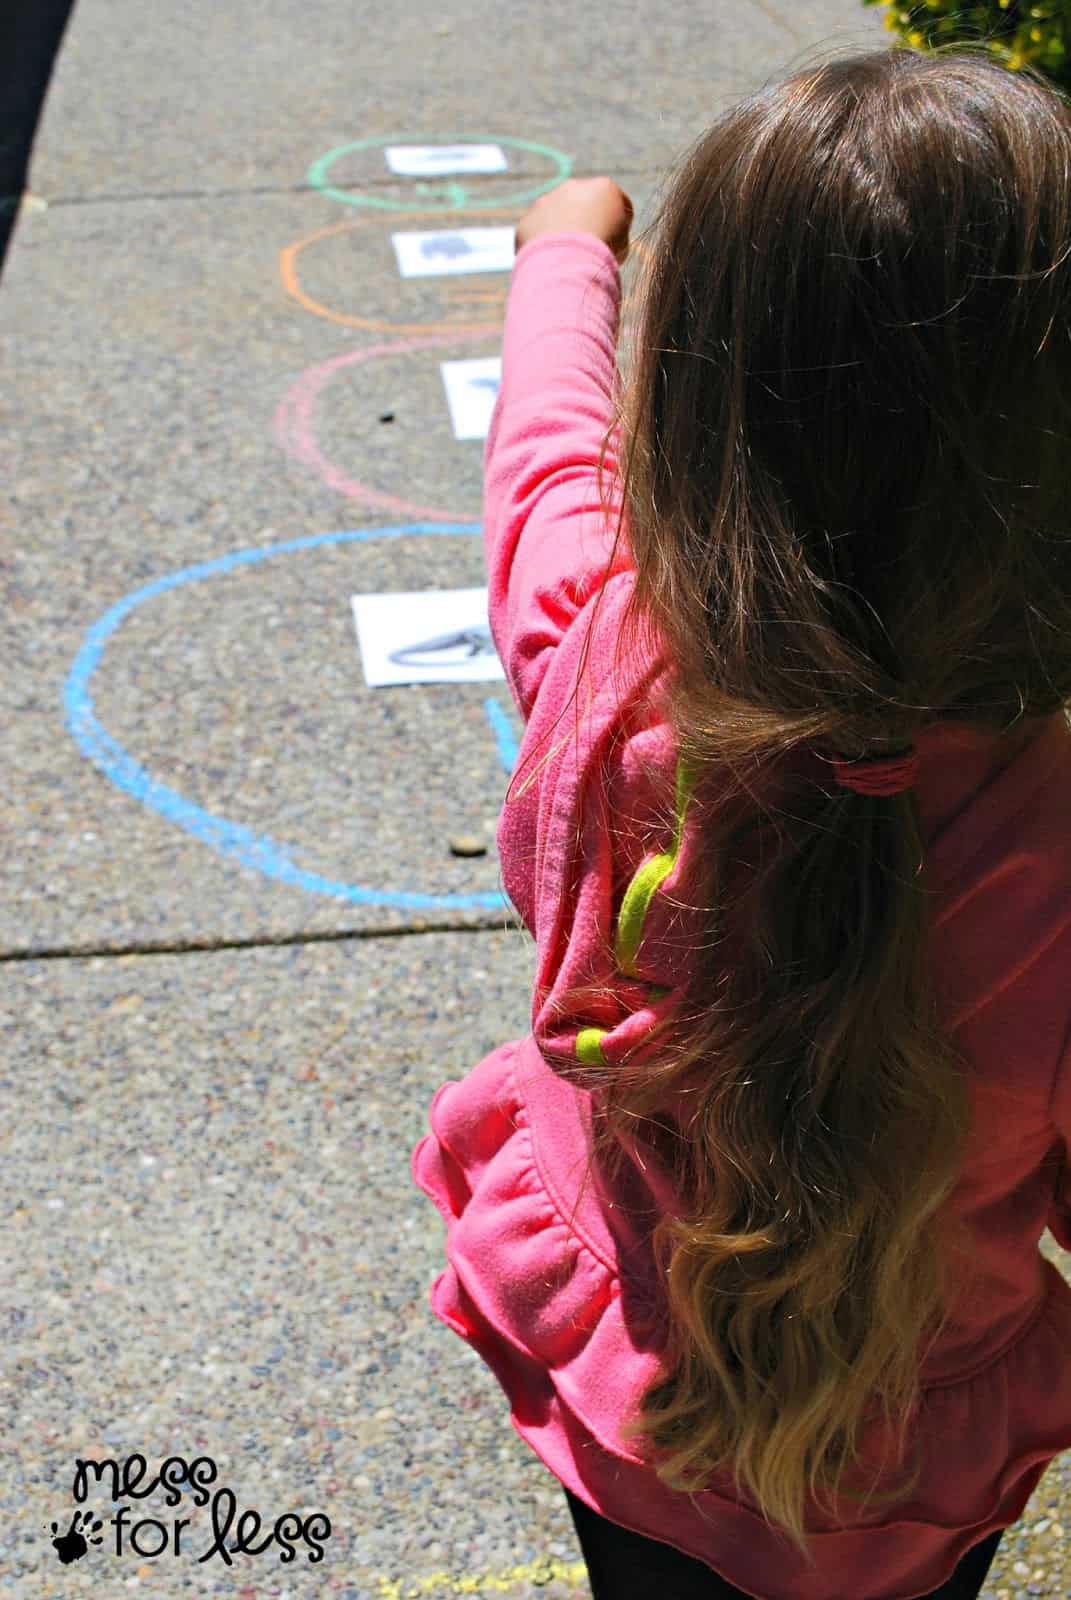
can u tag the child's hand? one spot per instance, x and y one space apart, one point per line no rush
581 205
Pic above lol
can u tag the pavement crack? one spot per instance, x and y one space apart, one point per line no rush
181 947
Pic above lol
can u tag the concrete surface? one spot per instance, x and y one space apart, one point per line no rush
218 1052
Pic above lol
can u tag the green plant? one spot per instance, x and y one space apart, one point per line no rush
1018 34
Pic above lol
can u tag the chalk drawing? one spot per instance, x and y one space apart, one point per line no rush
471 299
295 430
503 728
456 195
258 851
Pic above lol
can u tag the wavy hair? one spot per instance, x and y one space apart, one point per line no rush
847 486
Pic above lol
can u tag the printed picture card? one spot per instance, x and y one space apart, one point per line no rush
471 392
454 251
429 160
430 636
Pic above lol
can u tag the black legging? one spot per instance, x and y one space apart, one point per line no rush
623 1565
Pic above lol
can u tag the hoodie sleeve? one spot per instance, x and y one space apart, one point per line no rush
546 543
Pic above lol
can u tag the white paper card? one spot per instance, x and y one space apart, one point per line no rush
431 636
454 250
428 160
471 392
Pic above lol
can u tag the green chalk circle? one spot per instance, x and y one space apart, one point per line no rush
455 195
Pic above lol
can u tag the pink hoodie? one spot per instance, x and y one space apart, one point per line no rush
567 1311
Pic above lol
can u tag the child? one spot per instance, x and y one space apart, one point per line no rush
747 1225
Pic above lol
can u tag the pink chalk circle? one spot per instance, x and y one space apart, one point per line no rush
295 425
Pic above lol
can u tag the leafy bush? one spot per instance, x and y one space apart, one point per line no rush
1017 33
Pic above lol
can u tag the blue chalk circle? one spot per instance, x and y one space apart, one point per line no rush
256 850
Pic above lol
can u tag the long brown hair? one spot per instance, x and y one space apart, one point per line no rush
847 488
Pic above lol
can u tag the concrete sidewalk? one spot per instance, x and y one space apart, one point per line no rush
239 955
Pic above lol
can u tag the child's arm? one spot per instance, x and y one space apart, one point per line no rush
545 541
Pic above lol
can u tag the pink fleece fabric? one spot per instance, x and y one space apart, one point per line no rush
553 1283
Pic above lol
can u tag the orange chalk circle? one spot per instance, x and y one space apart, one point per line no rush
459 291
